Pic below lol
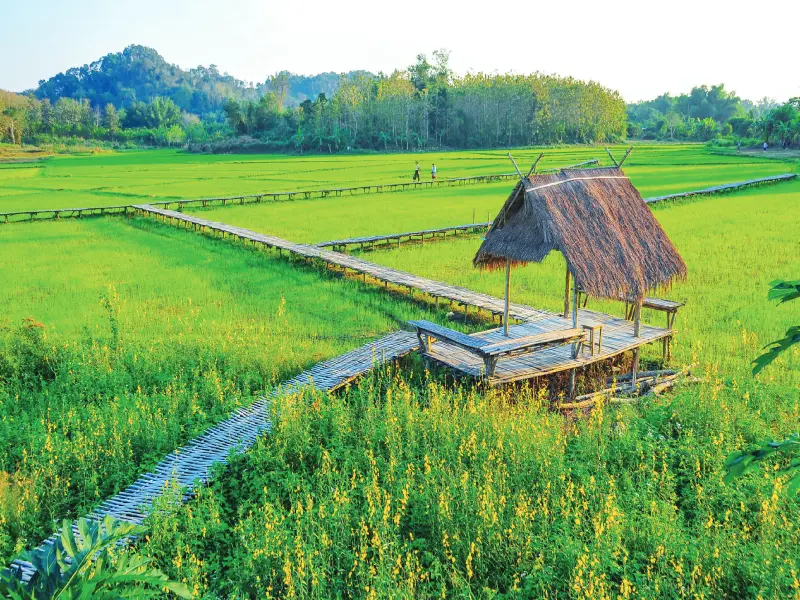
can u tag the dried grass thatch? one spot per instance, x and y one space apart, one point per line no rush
596 218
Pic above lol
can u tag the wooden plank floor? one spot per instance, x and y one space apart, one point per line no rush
193 462
617 338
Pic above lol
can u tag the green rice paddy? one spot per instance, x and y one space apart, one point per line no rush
122 338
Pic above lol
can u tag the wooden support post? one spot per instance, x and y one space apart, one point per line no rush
575 316
508 286
566 296
637 314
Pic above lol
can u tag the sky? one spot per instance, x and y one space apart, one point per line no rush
640 48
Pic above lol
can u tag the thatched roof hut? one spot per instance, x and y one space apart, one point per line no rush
612 243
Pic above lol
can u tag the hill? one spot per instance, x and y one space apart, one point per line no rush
139 73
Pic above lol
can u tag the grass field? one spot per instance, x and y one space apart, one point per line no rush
403 485
141 336
145 176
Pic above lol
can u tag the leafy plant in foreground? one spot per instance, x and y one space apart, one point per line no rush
782 291
83 567
742 462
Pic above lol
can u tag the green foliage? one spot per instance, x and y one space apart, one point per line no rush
708 112
152 336
428 107
743 462
205 325
409 488
85 566
782 291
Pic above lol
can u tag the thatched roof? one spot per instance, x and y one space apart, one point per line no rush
611 241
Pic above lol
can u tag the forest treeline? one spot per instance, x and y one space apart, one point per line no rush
428 106
135 98
714 113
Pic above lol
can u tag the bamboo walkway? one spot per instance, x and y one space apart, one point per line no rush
726 188
180 204
337 260
193 462
370 242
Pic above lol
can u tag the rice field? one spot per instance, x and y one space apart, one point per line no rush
131 177
122 338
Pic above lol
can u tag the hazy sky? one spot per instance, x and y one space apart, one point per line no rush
641 48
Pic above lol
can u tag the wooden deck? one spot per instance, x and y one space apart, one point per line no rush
617 338
192 463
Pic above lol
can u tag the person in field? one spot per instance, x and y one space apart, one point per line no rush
416 172
433 171
765 146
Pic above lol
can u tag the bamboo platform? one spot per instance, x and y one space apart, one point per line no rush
192 463
435 289
617 338
370 242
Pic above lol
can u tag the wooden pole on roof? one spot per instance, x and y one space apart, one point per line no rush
508 287
566 295
521 178
624 158
611 156
533 167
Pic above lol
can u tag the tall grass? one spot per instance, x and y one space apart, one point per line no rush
407 489
122 339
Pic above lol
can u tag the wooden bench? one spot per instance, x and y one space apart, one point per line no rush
491 352
669 307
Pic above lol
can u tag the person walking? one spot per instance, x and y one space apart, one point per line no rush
433 171
417 169
765 146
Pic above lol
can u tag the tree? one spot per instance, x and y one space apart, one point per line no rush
235 116
111 119
671 121
12 116
163 112
279 85
175 135
420 72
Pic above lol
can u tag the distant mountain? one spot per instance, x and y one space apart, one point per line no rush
139 73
